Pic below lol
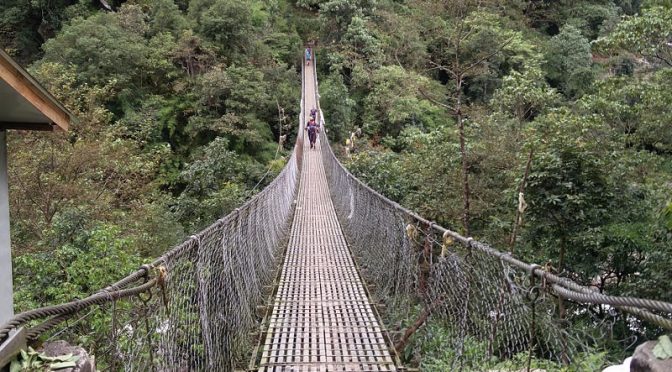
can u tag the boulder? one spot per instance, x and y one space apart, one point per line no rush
645 361
85 363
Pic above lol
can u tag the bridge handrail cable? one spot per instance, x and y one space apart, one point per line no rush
563 287
129 286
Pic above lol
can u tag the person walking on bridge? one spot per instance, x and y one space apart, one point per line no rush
313 129
308 53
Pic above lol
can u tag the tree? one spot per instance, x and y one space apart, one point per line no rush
115 47
569 62
523 96
165 16
213 185
395 103
336 15
360 43
334 99
636 108
26 24
567 193
462 49
227 23
647 35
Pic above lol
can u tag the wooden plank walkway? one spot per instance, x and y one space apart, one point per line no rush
321 318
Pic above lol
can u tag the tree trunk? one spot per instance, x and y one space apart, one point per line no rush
463 154
401 344
521 189
561 259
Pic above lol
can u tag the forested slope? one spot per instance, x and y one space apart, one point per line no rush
580 91
465 104
462 106
179 107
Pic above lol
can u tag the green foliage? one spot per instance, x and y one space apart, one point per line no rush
177 105
335 100
337 15
592 17
164 16
437 357
524 95
587 361
309 4
31 360
361 42
26 24
227 23
595 131
382 171
213 185
635 108
177 124
567 192
667 216
81 258
646 35
569 62
433 346
115 47
395 103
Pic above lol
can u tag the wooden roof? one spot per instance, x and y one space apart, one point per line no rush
25 104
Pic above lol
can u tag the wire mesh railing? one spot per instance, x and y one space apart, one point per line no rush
492 306
193 308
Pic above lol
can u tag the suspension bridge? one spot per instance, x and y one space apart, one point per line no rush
317 272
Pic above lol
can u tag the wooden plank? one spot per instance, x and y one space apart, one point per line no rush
12 346
17 78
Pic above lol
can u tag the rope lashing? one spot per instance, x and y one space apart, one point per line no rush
412 232
447 242
72 307
161 280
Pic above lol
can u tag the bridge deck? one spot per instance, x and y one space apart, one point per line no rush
321 318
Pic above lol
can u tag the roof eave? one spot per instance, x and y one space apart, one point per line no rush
30 89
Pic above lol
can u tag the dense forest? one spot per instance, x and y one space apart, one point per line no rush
177 108
540 127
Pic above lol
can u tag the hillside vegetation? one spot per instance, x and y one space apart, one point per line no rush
463 105
179 109
577 93
467 104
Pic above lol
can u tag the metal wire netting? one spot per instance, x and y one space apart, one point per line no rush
493 307
194 308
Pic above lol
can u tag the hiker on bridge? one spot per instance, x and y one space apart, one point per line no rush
313 113
308 53
313 129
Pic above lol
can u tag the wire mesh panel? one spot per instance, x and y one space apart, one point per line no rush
193 308
492 307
